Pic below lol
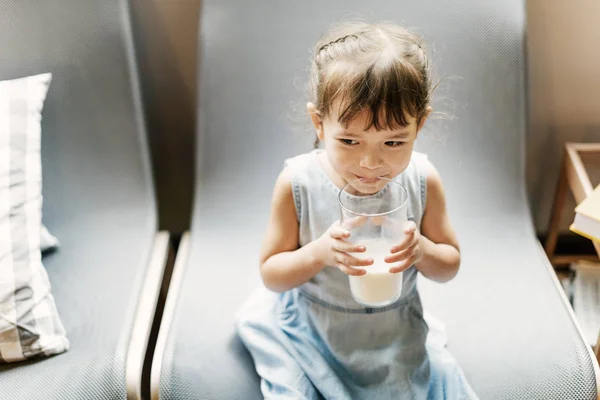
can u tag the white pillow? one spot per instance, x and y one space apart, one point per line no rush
29 322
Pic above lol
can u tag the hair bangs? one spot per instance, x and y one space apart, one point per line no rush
387 90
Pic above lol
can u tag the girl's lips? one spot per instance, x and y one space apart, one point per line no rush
367 180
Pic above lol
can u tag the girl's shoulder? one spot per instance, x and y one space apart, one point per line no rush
420 160
414 180
422 165
301 161
305 178
304 167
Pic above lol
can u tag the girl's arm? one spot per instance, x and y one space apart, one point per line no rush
440 250
283 265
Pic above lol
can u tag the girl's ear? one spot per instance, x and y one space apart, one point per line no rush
315 117
424 118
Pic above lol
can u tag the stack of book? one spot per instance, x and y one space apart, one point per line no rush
586 286
587 217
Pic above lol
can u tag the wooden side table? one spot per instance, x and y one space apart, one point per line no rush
574 176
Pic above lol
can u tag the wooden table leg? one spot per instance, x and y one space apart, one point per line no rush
557 207
597 349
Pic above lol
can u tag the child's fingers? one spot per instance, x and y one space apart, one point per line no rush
340 233
342 229
408 241
399 256
345 247
351 271
354 222
377 221
350 261
403 266
410 227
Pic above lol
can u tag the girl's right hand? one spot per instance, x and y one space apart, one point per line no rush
332 250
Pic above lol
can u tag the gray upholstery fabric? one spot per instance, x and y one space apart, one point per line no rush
98 193
506 323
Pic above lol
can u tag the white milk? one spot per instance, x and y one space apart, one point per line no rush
378 287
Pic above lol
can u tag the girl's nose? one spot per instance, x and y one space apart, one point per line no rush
370 161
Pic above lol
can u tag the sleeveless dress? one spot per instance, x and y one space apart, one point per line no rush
316 342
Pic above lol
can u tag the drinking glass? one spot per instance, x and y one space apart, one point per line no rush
377 222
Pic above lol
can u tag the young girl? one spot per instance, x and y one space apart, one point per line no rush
308 337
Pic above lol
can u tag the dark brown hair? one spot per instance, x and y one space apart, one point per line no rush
379 68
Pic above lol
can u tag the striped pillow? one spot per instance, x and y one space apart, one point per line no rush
29 322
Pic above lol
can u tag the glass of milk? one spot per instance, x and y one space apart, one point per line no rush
376 221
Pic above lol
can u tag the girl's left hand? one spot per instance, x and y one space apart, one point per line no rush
408 252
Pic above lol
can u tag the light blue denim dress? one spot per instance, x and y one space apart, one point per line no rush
317 342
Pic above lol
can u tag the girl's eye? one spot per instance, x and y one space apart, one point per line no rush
394 144
348 142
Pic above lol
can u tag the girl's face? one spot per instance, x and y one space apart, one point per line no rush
361 156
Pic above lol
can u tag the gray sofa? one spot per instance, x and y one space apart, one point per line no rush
98 196
508 323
